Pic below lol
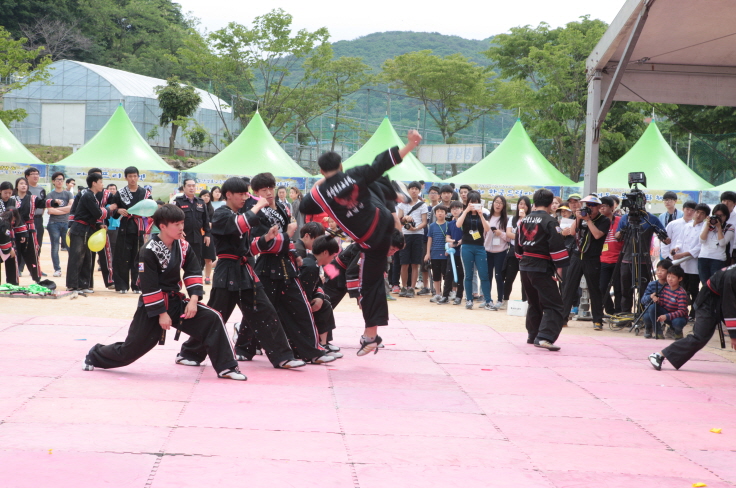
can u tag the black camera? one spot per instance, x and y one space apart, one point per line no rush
584 211
713 220
635 201
409 225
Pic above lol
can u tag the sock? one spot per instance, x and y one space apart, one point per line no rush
369 339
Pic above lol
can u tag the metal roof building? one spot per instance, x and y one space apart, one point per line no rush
80 98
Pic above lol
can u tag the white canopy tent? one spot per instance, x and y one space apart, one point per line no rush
661 51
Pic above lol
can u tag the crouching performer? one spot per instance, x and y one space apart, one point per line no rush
162 305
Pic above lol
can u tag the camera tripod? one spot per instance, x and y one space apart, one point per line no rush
641 274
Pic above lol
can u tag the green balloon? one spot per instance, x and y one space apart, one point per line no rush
144 208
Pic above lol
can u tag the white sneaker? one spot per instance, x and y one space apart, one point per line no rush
185 362
325 358
420 284
232 374
336 355
73 295
293 363
503 305
453 294
57 273
435 299
86 366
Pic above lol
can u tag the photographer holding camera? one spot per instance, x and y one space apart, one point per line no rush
590 229
715 237
413 217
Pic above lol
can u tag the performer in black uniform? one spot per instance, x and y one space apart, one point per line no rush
347 197
162 305
88 217
8 218
716 302
105 256
197 220
130 233
235 283
323 250
7 202
277 268
25 231
540 249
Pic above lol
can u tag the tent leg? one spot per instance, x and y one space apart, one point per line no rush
592 134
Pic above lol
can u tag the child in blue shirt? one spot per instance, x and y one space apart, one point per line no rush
454 238
436 238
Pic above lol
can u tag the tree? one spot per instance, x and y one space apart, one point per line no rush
19 67
58 39
545 77
340 78
177 102
266 54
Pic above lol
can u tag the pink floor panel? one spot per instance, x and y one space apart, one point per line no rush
476 408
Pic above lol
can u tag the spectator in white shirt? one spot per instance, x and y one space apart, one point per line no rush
716 235
676 227
496 243
688 246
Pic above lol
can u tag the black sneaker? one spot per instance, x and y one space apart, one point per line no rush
656 359
409 293
366 347
678 336
86 366
402 193
545 344
424 291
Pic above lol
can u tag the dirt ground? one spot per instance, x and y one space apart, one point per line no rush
104 303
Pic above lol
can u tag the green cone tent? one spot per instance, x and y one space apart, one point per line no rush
13 151
252 152
117 145
516 161
385 137
727 186
652 155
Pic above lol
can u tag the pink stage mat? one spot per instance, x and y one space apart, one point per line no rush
442 405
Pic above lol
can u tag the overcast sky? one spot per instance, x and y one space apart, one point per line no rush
347 19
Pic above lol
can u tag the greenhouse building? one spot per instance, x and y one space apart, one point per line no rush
79 98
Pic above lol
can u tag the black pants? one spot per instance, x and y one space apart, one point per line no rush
691 283
28 254
295 314
260 326
450 277
707 318
80 263
40 231
439 268
510 270
11 270
627 279
611 306
324 318
104 258
144 333
591 269
544 316
125 261
334 293
372 294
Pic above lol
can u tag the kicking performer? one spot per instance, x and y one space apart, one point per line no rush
347 198
7 202
25 230
130 233
277 269
162 305
716 301
235 283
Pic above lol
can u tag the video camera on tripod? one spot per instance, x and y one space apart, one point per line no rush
635 202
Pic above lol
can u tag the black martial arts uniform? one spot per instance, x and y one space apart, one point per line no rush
11 264
88 216
540 249
347 281
362 213
235 283
196 223
26 240
277 271
104 256
130 239
324 318
715 302
160 273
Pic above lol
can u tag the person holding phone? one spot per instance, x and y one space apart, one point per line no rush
497 245
474 226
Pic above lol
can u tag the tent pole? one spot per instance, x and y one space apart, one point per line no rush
592 134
